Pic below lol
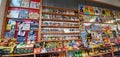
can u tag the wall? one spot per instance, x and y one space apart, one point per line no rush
113 2
2 10
74 4
61 3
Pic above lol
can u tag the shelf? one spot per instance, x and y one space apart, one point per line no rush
106 53
58 14
22 19
44 19
72 39
62 33
11 55
94 55
24 8
98 22
60 26
99 54
115 44
96 30
96 15
23 30
50 40
107 16
91 15
101 30
52 52
59 40
117 51
53 7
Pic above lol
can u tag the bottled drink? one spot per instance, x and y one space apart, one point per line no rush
80 53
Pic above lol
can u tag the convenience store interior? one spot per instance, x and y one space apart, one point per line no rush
60 28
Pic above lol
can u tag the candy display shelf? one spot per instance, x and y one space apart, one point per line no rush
24 16
58 14
60 20
59 40
22 19
59 30
96 15
59 33
25 7
12 55
60 26
99 23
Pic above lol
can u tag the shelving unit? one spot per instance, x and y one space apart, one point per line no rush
58 33
11 55
21 22
61 20
22 19
89 28
60 28
22 14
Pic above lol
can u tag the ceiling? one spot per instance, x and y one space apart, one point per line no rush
111 2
